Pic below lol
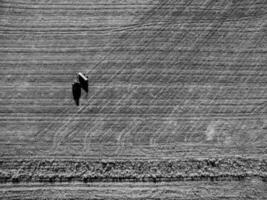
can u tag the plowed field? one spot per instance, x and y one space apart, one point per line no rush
177 102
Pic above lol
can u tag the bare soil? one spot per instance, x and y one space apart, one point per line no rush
176 105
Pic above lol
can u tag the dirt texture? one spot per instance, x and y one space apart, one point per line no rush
176 107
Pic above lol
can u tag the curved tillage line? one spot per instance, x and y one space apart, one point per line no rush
91 103
77 112
155 35
70 118
164 127
98 124
153 140
188 138
177 107
122 135
151 103
130 128
116 105
80 110
66 109
138 137
244 82
196 45
239 56
84 107
95 124
214 27
95 67
92 131
238 123
125 98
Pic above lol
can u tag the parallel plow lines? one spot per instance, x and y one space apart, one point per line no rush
181 72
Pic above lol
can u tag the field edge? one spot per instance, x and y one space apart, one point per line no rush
86 170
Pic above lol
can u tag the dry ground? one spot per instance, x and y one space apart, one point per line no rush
177 98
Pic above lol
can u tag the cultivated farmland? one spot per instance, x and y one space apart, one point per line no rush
177 102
